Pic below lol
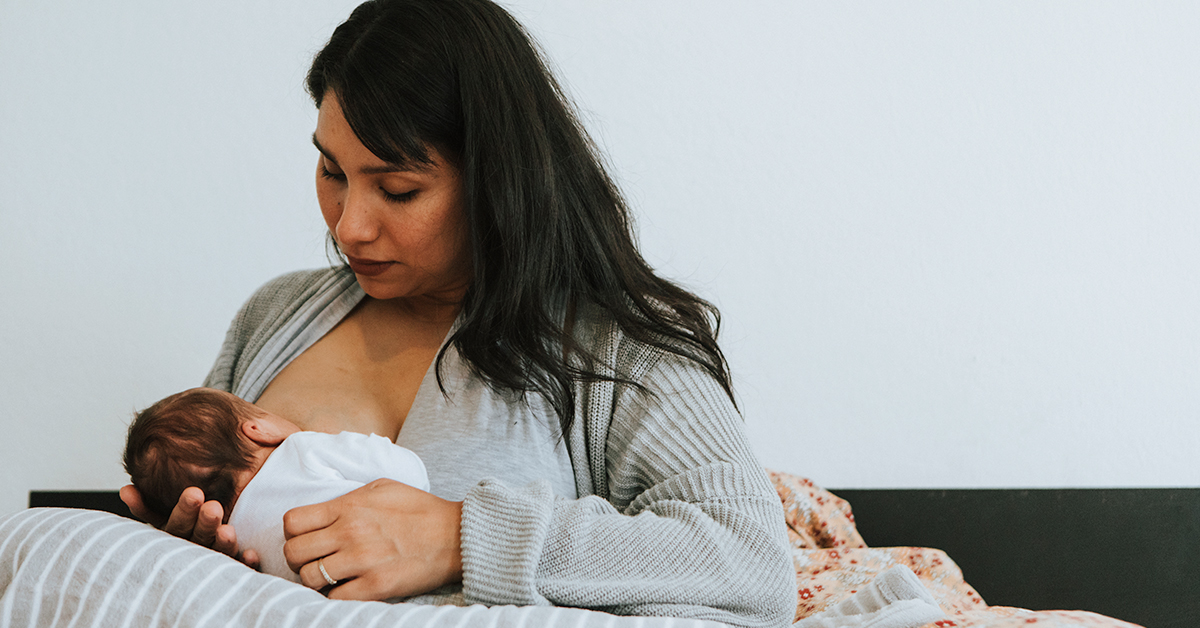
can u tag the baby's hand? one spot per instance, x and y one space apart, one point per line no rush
193 519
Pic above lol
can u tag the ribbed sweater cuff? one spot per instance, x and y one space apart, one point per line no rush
503 532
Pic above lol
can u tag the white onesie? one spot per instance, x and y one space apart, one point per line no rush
310 468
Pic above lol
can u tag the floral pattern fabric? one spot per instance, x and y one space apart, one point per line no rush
832 562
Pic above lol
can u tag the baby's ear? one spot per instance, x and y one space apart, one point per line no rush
262 432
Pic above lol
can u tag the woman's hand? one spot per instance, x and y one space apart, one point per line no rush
381 541
193 519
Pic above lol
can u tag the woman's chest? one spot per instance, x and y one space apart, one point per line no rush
355 378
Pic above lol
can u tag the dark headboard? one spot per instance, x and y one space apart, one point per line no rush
1133 554
107 501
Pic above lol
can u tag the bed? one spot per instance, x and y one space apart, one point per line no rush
64 566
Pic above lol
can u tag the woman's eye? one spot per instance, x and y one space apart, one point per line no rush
335 176
399 198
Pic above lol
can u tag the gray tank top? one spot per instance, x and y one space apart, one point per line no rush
474 432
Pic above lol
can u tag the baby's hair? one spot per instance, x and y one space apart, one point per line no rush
192 438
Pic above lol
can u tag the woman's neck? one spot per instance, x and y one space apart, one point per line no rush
435 310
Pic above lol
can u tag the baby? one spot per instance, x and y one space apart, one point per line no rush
258 465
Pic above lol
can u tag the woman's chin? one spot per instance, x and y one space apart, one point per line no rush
378 289
391 285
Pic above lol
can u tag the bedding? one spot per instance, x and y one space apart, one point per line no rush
832 562
80 568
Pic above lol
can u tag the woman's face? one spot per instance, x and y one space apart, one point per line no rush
404 232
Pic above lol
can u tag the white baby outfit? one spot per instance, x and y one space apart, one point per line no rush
310 468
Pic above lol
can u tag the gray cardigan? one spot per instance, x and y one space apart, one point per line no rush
675 517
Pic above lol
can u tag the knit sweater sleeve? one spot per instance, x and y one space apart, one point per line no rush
691 526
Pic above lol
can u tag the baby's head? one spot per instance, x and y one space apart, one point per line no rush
200 437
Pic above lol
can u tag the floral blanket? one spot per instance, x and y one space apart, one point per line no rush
832 562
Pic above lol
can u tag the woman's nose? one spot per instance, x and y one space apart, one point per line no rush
357 222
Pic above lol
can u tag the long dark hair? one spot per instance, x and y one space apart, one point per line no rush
549 230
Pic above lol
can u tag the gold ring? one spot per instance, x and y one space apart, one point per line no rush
321 567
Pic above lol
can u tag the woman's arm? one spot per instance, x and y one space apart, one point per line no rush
691 526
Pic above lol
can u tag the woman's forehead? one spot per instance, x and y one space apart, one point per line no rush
337 141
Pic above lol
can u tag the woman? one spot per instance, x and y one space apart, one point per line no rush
573 409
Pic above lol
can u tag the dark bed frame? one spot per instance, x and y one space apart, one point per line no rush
1133 554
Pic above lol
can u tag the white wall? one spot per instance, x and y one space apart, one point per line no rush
955 244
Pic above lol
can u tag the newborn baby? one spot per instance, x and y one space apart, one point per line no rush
258 465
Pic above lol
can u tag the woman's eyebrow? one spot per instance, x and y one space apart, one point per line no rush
322 149
384 169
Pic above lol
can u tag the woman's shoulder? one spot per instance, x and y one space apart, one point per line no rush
267 309
280 297
296 286
597 331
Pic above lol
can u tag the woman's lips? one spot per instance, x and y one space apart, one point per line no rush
367 268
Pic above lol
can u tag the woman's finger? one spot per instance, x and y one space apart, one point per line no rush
209 519
306 548
133 500
225 540
192 518
307 519
251 559
182 521
340 570
357 589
